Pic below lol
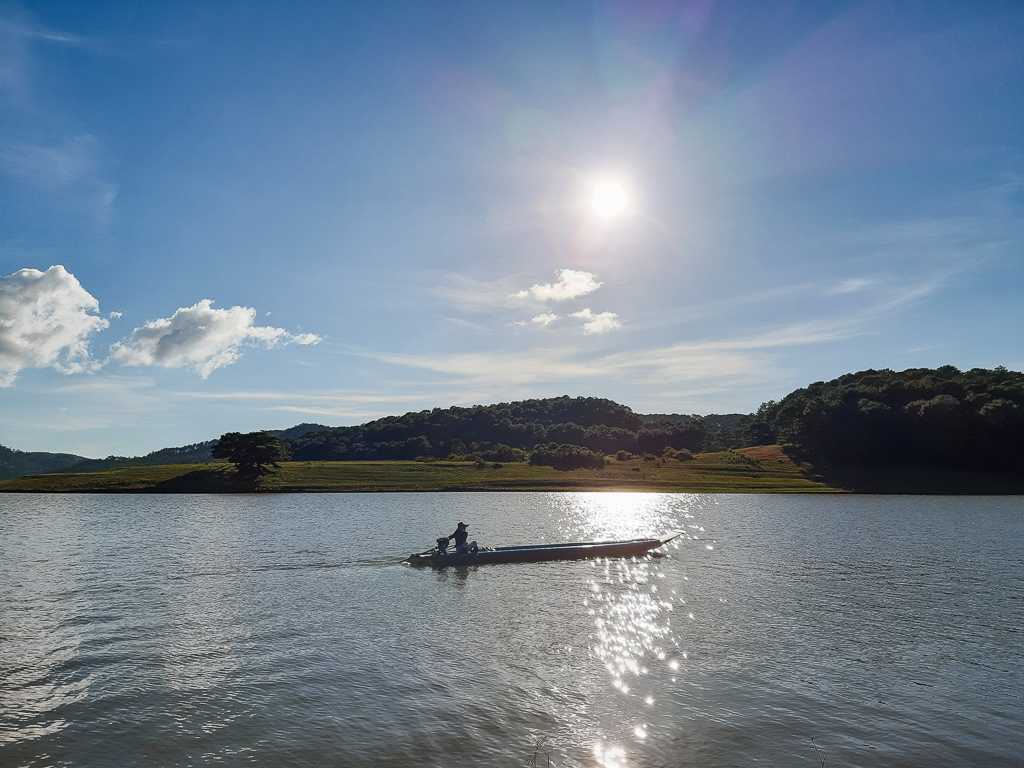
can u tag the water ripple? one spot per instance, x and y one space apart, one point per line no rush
282 631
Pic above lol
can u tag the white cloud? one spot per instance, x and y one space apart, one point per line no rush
571 284
115 315
599 323
543 320
201 338
46 319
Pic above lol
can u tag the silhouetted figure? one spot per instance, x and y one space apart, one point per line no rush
460 536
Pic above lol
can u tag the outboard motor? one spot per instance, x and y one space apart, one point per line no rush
442 545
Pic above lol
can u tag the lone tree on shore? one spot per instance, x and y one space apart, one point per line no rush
251 453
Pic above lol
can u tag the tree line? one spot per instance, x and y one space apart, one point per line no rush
503 432
940 418
563 432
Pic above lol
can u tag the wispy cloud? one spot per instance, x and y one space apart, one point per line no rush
849 286
14 64
51 165
976 225
35 32
70 165
201 338
671 316
882 293
899 295
349 405
44 158
472 295
571 284
100 402
18 31
688 361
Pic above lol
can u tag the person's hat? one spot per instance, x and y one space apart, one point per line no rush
463 525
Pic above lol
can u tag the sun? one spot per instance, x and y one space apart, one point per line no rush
609 199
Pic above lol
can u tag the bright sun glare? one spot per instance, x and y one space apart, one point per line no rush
609 199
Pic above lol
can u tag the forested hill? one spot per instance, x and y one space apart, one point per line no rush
185 454
15 463
503 431
939 419
942 419
723 428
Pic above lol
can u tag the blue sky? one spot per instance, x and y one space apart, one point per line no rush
235 216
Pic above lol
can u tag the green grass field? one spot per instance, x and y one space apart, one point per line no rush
749 470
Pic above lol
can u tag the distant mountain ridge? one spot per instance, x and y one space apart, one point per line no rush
15 463
186 454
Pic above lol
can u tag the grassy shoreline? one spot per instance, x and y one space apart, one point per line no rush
764 469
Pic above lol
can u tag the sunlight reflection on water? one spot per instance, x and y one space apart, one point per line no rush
610 757
633 633
595 516
632 619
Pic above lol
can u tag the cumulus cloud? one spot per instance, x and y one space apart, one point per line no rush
602 322
543 320
571 284
201 338
46 319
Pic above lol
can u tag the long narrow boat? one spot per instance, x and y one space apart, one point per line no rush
539 552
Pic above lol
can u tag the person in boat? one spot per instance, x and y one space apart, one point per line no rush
460 536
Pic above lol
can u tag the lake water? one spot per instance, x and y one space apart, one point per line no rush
283 631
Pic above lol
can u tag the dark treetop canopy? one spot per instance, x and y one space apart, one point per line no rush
935 418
